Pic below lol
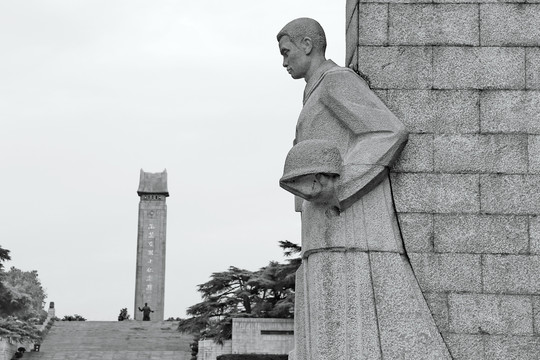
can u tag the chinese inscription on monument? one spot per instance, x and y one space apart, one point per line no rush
150 276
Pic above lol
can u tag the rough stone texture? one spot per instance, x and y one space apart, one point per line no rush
446 1
417 231
478 68
407 330
350 8
351 34
436 111
439 193
468 198
119 340
373 24
153 183
356 295
511 274
438 304
353 63
510 194
447 272
392 1
248 336
510 111
433 24
396 67
511 347
481 153
417 155
210 350
534 234
481 234
350 296
534 154
510 24
490 314
362 335
536 314
533 68
465 346
151 244
381 94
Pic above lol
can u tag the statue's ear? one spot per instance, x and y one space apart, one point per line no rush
307 45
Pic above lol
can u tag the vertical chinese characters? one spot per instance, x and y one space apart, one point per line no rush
149 262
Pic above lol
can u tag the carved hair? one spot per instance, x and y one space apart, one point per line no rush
300 28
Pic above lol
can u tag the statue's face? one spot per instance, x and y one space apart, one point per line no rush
295 59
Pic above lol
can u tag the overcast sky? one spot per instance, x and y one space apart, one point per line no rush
93 91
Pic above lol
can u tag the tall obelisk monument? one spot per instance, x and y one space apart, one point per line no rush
150 276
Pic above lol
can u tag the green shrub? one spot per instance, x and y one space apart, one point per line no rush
252 357
75 317
18 330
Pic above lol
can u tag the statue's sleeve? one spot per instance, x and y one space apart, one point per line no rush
377 138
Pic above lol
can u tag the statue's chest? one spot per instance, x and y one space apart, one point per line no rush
317 121
312 120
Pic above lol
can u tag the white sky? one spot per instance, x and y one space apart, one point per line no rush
93 91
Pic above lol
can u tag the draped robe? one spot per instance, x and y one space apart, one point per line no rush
356 295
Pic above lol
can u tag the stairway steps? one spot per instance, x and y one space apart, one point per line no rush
109 355
122 340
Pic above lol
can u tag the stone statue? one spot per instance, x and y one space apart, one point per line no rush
146 310
356 294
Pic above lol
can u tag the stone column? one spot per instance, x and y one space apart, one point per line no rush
51 312
151 241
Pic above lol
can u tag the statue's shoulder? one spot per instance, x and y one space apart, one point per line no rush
340 70
333 80
341 77
337 71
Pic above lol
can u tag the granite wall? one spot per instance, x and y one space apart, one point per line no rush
252 336
8 347
464 77
262 336
209 350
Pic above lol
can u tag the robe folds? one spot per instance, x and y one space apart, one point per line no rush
356 295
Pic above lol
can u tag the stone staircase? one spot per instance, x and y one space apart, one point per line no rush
121 340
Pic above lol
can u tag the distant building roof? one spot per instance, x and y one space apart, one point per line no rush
153 183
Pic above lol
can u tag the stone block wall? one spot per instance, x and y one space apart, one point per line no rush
262 336
464 77
209 350
252 336
8 348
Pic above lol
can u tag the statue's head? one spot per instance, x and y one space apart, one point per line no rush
301 42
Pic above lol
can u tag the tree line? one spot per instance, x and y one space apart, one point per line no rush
265 293
21 301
